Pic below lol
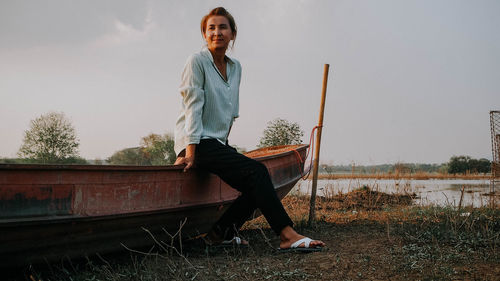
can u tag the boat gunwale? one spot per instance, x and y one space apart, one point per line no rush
90 167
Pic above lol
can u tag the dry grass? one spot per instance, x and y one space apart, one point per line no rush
361 204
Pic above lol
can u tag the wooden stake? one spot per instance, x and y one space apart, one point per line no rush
312 205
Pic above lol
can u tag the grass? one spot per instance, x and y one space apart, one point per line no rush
369 234
446 240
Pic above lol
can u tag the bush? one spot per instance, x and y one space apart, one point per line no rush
154 150
281 132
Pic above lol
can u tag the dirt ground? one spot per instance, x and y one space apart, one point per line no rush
356 251
369 236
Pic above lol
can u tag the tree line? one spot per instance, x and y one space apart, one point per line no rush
52 139
456 165
385 168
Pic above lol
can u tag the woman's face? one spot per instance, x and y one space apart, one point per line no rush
218 33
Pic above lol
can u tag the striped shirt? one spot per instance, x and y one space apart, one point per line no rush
209 102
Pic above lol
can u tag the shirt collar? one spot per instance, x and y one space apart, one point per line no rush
207 53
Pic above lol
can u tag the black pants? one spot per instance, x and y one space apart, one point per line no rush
249 177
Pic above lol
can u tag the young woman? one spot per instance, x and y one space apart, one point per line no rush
210 103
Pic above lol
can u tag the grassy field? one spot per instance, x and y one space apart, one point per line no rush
369 236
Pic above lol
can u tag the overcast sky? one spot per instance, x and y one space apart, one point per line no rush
410 81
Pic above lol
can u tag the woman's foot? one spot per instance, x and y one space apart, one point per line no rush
236 241
213 239
289 236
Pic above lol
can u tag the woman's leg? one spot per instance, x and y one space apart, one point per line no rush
234 217
249 177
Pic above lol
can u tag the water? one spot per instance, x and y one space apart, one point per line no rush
429 192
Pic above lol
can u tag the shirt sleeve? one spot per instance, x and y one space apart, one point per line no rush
237 105
193 97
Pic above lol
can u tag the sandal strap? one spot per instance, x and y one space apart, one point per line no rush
237 240
305 240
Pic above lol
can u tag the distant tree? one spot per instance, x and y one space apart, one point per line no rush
387 168
51 139
281 132
443 169
463 164
159 149
239 149
458 164
480 166
154 150
402 168
128 156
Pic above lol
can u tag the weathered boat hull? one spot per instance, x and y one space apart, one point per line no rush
49 211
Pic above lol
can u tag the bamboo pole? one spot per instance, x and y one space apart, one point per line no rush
312 205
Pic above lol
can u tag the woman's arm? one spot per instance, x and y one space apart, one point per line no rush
193 98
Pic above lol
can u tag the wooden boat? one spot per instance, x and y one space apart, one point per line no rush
49 212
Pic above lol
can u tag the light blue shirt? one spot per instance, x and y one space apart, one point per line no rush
209 102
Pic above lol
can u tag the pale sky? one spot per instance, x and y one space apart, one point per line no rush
410 81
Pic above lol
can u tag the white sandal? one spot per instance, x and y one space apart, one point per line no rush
306 249
236 241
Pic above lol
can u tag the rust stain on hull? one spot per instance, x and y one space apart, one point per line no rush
35 200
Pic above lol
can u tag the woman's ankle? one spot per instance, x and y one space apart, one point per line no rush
288 233
213 238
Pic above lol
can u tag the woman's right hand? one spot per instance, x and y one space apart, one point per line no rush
188 159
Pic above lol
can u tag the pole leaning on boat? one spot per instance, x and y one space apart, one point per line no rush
312 205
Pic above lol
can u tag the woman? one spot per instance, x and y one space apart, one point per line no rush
210 103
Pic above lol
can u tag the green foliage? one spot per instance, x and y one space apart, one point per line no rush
70 160
464 164
50 139
281 132
15 161
128 156
384 168
159 149
456 165
154 150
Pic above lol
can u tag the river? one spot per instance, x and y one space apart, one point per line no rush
429 192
